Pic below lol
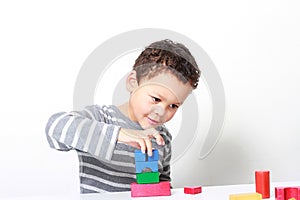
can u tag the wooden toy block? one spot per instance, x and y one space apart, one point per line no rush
246 196
193 190
262 183
147 177
147 166
155 155
139 156
279 193
148 190
290 193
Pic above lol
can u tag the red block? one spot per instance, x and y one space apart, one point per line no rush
148 190
291 192
193 190
262 183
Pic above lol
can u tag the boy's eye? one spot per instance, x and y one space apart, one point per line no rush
155 99
173 106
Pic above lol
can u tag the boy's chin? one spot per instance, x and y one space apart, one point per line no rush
148 126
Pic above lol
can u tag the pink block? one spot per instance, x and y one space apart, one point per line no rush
279 193
148 190
193 190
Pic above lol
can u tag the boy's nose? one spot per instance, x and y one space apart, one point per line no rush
158 110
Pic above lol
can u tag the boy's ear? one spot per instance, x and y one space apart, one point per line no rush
131 82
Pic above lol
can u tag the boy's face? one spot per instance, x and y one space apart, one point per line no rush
155 101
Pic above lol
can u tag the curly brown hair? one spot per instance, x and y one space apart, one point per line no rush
167 55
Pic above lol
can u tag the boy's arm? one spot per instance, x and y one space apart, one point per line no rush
140 139
83 131
166 172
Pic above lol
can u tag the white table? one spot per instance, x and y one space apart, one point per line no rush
208 193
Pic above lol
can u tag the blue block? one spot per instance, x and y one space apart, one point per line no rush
146 166
155 155
139 156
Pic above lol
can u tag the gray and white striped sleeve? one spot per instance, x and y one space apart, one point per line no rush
166 172
81 131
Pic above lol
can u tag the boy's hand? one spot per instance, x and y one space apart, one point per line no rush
140 138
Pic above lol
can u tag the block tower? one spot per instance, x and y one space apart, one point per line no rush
147 176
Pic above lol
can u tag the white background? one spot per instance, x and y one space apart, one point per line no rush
255 46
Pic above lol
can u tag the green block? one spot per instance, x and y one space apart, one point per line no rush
147 177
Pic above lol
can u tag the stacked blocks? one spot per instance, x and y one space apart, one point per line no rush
147 176
262 187
146 167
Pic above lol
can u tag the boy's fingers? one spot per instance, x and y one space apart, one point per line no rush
134 144
141 139
142 145
149 146
159 139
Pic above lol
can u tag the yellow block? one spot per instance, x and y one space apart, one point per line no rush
245 196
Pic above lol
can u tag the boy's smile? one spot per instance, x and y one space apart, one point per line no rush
155 101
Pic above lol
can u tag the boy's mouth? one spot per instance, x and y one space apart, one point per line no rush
152 121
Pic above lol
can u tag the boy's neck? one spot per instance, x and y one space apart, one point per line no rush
124 109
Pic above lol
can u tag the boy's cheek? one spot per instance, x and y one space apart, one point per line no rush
170 116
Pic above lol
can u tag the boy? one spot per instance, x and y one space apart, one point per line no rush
105 137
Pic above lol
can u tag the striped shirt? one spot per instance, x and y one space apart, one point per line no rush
105 165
